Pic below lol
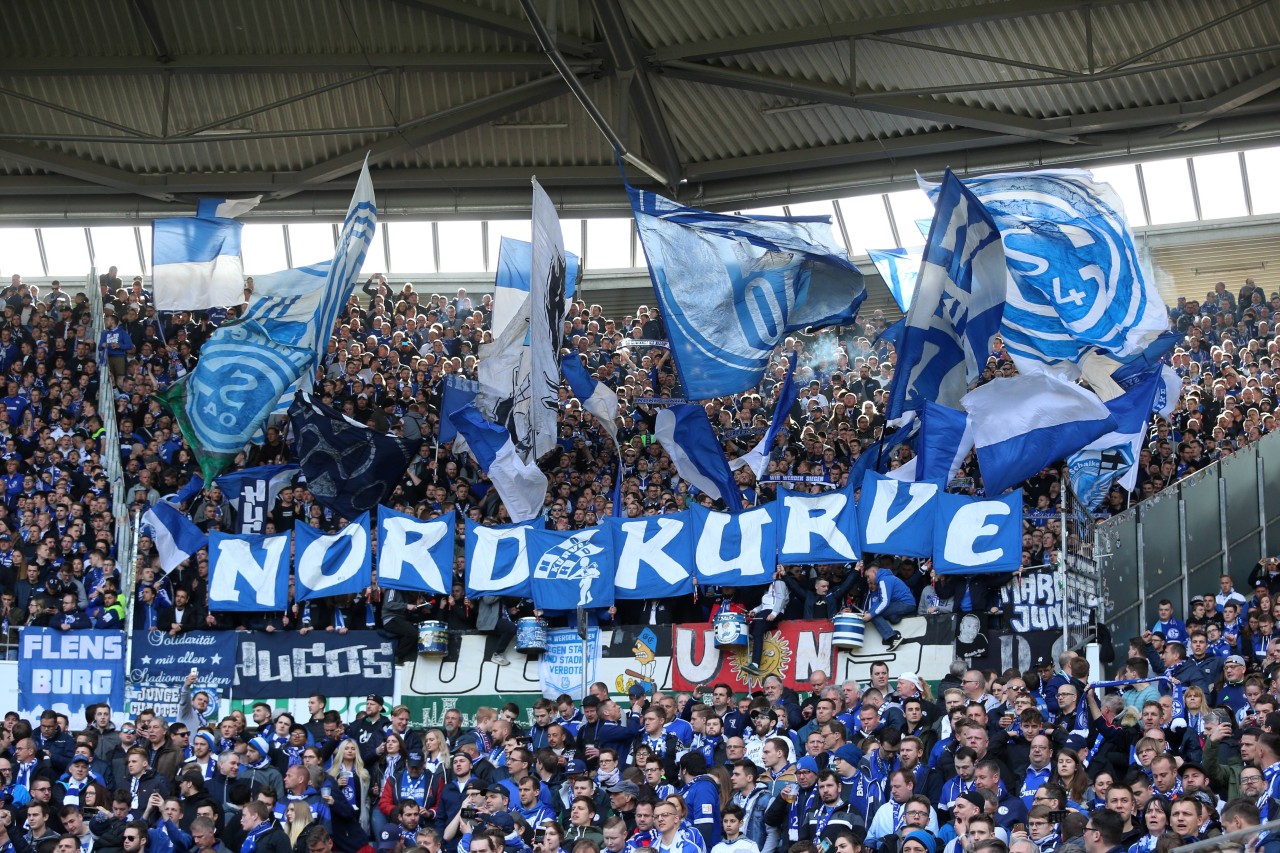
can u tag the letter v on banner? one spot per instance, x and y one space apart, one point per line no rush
897 517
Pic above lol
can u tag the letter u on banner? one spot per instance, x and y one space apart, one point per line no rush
734 549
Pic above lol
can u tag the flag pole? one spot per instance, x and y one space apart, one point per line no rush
129 581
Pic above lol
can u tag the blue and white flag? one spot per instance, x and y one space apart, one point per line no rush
945 441
817 529
521 485
900 269
897 517
1169 393
497 558
330 564
686 434
349 467
600 401
511 284
1024 423
65 671
953 322
248 574
189 490
413 554
734 549
458 392
1075 277
195 262
1114 457
732 287
653 553
176 537
978 535
571 569
757 458
879 455
252 493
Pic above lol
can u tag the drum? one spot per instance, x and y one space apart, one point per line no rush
848 631
531 635
731 629
433 639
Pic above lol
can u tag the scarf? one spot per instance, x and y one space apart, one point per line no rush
251 840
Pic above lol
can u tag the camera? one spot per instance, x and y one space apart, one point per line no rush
469 813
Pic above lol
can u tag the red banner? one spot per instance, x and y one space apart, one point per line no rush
792 651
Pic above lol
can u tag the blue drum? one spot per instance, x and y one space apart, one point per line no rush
433 639
531 635
848 631
731 629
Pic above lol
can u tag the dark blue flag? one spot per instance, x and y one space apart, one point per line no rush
349 468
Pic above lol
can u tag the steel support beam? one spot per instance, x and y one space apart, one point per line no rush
84 170
887 25
147 14
496 22
282 102
309 63
439 125
620 45
919 108
1194 31
65 110
1233 98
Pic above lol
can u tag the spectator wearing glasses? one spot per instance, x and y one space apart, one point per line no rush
1103 832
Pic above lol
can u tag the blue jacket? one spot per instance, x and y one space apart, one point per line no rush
888 589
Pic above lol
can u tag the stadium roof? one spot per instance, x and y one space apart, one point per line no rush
132 108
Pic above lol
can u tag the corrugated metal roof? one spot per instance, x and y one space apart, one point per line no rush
935 47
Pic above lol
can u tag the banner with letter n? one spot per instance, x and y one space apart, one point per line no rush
161 659
566 666
287 666
249 574
792 651
65 671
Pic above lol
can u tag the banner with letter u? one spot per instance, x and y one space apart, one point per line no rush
66 670
287 666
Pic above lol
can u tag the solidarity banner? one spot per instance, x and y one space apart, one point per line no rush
566 666
289 666
67 670
792 652
161 659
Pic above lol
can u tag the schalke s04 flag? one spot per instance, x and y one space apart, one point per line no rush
1075 277
195 262
955 317
330 564
572 569
731 287
349 468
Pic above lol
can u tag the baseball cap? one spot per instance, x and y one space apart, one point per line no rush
476 785
575 768
502 821
388 839
1042 660
79 759
1236 659
414 759
975 799
624 787
374 697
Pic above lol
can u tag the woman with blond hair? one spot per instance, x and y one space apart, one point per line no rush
297 824
351 780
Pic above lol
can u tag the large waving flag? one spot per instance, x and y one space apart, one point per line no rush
600 401
1113 457
757 458
520 484
731 287
1075 278
195 262
945 440
1024 423
458 392
687 436
248 365
954 320
900 269
176 537
350 468
252 493
511 284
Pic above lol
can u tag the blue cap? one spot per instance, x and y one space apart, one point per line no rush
807 763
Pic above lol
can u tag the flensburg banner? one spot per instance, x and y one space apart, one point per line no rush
792 651
65 671
288 666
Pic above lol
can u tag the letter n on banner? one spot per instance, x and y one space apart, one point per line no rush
792 652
